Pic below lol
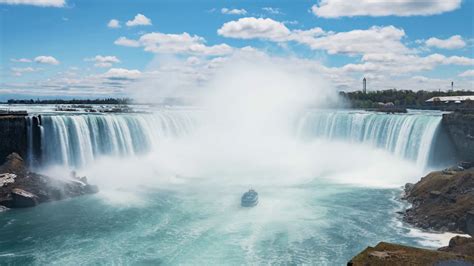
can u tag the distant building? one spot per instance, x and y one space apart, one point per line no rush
364 85
450 99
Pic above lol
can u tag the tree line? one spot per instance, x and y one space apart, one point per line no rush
400 98
73 101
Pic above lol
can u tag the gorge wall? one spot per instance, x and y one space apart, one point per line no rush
13 136
460 128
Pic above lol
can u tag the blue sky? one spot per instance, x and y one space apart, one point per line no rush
66 48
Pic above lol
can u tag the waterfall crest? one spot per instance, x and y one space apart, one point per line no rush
408 136
77 139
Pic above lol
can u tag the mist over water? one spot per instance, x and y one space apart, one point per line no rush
246 129
171 181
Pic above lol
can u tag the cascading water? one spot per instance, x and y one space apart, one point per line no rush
408 136
75 140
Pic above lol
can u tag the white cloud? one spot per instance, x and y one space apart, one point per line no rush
113 23
43 59
42 3
454 42
122 74
183 43
467 73
228 11
272 10
139 20
343 8
103 61
123 41
373 40
458 60
18 71
21 60
390 64
251 28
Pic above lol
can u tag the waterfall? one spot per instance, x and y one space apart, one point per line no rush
409 135
77 139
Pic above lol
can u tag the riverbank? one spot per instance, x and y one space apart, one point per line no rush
442 201
457 253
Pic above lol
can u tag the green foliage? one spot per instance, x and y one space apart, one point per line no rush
400 98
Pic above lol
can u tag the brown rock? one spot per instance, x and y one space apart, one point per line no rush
441 201
460 245
392 254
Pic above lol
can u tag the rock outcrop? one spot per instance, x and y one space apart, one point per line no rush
460 128
20 188
442 201
460 245
392 254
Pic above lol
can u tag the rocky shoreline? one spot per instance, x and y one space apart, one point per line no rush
442 201
20 188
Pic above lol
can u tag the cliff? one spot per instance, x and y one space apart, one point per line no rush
13 136
460 128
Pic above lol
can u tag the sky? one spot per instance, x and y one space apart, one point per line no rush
105 48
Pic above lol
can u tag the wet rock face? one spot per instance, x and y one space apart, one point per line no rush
460 128
442 201
23 199
13 136
21 188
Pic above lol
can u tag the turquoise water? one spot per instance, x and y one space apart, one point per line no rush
318 223
171 183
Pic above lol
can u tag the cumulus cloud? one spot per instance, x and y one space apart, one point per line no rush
251 28
467 73
21 60
122 74
114 24
453 42
374 39
234 11
183 43
44 59
42 3
139 20
344 8
123 41
103 61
